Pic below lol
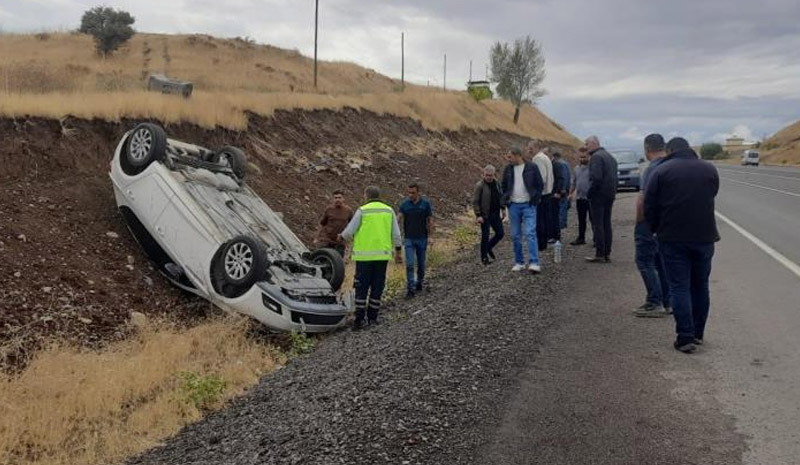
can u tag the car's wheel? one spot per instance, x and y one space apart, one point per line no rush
147 143
233 158
332 266
238 265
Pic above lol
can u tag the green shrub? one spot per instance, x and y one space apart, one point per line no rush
300 343
465 236
202 392
711 151
480 93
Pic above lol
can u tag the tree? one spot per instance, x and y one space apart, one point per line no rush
711 151
109 27
518 70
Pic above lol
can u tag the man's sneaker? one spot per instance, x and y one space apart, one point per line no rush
578 242
491 255
668 310
418 287
409 294
485 260
698 341
518 267
358 325
551 241
650 311
685 347
596 259
534 268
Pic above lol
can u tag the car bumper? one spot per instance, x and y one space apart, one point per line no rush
269 305
627 182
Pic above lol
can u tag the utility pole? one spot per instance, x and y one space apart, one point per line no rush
403 60
486 76
470 70
316 31
444 79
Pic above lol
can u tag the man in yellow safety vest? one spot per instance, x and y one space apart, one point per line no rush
374 232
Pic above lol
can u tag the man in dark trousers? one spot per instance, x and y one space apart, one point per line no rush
602 192
539 156
648 260
679 208
522 192
333 222
416 215
580 188
489 213
374 232
562 181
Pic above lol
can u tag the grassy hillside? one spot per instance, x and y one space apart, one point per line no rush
784 146
54 75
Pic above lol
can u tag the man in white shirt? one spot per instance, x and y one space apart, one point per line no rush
522 191
545 166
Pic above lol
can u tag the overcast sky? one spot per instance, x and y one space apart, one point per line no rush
702 69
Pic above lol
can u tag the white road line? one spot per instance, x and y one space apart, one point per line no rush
779 257
760 174
761 187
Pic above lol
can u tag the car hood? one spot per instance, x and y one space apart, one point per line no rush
627 166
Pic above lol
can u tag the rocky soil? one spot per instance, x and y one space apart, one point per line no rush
399 393
69 270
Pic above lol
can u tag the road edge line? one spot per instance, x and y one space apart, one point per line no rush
779 257
794 194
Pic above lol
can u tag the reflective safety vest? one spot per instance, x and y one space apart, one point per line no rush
373 239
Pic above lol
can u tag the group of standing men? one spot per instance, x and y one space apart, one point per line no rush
536 194
375 233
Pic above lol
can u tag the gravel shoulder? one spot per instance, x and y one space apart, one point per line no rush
488 367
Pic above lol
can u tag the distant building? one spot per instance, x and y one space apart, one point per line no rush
735 145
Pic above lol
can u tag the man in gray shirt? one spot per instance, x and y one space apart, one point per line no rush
578 194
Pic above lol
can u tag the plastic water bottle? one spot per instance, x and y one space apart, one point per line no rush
557 252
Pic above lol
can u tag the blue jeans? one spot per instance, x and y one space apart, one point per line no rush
563 207
688 266
649 263
415 248
523 215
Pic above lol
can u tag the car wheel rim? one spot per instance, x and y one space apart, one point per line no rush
141 142
238 261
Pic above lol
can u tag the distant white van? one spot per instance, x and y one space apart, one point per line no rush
750 157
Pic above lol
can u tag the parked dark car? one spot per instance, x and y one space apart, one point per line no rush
629 168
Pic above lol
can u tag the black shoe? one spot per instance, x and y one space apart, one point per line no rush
596 259
485 260
607 259
685 347
491 255
698 341
578 242
418 287
358 325
409 294
373 324
551 241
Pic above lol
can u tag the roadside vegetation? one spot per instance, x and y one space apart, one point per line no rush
783 147
59 74
74 406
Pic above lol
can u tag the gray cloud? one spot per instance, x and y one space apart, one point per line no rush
617 67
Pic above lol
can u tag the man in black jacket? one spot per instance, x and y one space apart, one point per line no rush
602 192
487 203
522 191
679 208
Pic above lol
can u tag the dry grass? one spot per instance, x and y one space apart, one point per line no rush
61 76
783 147
79 407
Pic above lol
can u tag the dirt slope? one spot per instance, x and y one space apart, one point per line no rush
70 270
783 147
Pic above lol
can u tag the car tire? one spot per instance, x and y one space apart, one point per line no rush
232 157
332 266
146 143
238 265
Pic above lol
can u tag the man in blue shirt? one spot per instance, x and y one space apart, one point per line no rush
563 191
416 215
648 261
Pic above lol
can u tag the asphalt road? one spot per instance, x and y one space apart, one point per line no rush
608 388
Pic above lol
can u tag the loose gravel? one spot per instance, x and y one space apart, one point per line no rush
410 389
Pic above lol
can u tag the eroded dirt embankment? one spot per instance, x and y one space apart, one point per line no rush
69 270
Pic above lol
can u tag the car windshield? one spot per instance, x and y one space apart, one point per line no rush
753 155
625 156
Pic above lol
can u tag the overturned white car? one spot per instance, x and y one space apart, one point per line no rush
211 235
